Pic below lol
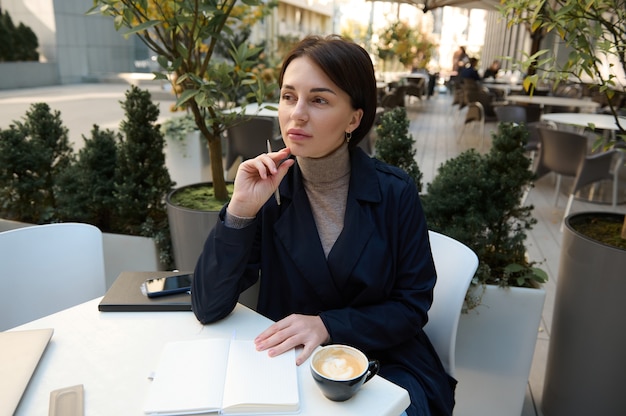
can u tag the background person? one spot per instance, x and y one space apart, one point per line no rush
492 70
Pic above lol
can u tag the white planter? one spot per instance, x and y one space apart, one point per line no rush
187 160
121 252
494 351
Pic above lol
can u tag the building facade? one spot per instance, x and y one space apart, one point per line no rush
76 47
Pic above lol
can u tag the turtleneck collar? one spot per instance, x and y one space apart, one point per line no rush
327 169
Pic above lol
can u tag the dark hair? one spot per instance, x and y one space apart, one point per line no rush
349 66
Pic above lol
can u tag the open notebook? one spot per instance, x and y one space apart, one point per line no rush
222 376
20 354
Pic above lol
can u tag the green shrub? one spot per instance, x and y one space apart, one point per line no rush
16 43
477 200
32 155
87 188
116 182
142 179
394 144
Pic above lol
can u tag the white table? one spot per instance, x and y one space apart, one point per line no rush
543 100
600 121
113 353
254 109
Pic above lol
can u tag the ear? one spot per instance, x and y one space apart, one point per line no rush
355 120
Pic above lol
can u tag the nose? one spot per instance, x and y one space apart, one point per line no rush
299 111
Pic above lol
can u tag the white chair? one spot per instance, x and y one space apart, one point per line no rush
48 268
475 114
455 264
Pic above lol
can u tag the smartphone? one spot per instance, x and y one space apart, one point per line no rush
162 286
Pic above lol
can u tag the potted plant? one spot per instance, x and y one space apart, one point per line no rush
399 43
202 50
394 144
592 261
476 199
116 182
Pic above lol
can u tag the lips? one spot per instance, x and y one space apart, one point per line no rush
297 134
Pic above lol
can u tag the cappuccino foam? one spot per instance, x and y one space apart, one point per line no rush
339 365
339 368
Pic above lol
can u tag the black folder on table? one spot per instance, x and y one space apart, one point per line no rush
125 295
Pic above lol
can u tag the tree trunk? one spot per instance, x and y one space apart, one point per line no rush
217 170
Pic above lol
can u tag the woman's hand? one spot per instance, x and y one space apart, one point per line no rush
256 181
291 332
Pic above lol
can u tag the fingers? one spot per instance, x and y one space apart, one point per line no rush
291 332
269 163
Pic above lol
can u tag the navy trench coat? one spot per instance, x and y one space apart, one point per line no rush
373 291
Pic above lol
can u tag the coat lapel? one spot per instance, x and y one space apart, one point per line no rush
296 222
358 226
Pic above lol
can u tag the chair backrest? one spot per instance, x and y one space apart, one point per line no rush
475 112
471 89
394 98
248 139
510 113
456 265
562 152
48 268
534 137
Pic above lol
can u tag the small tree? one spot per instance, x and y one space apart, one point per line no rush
477 200
142 179
394 144
16 43
185 36
86 189
32 154
595 32
409 46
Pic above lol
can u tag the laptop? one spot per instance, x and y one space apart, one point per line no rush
21 352
125 295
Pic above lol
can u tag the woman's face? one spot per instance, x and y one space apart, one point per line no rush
314 113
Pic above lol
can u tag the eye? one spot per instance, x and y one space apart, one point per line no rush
287 97
320 100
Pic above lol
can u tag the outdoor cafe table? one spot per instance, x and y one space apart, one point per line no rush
600 121
112 354
543 100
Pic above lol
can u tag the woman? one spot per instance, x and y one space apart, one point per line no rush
345 256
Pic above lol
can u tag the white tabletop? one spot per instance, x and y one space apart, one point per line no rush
254 109
113 353
544 100
416 75
600 121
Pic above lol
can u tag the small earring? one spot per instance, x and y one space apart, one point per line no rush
348 136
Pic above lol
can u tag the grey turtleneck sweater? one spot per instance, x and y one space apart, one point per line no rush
326 182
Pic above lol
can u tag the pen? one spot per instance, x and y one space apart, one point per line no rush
276 193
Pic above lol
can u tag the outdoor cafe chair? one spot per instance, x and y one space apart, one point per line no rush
566 154
453 280
475 114
47 268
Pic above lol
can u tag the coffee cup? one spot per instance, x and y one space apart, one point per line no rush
341 370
